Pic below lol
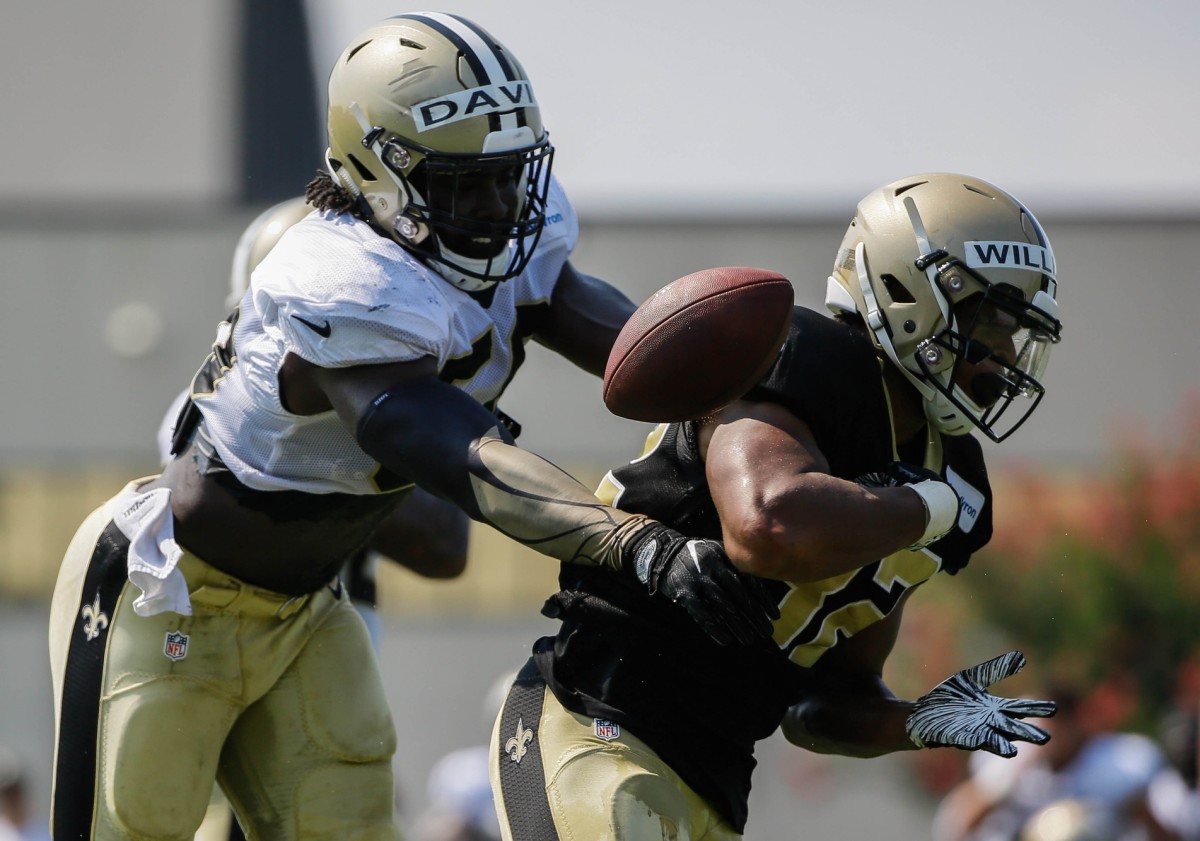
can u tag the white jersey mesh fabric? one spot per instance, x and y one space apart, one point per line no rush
337 294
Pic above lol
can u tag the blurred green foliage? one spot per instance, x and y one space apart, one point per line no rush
1097 576
1094 574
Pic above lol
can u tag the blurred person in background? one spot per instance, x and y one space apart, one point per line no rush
848 477
199 630
1180 737
1091 782
16 813
461 804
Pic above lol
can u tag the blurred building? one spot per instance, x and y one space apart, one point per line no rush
141 138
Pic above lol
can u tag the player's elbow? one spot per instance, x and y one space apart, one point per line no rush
761 544
443 557
769 544
429 561
445 565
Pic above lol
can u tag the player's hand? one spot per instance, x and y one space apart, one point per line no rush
697 575
960 713
941 501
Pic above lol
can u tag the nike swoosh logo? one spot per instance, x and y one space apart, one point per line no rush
322 330
691 546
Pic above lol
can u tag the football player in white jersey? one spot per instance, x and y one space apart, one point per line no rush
424 533
198 629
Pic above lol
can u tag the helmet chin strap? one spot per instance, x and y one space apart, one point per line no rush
941 413
414 233
945 417
878 326
404 227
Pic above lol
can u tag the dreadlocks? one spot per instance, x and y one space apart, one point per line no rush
324 193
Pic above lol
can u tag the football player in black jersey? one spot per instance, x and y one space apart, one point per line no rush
848 476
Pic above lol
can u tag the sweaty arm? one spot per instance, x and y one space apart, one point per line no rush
782 514
847 709
586 314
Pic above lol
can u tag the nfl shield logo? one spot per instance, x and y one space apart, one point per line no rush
176 645
606 730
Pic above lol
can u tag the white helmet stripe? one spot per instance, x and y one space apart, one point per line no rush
924 248
482 53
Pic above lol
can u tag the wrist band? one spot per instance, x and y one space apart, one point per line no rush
941 509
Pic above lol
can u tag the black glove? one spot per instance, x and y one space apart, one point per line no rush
960 713
898 473
696 575
955 547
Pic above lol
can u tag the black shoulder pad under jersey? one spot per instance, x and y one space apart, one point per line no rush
828 374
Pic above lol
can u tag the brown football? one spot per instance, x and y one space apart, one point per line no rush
698 344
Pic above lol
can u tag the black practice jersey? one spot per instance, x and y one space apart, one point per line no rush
641 661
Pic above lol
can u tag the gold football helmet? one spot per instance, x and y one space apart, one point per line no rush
429 116
955 280
260 237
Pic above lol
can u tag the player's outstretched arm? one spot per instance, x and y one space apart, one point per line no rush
960 712
586 316
846 709
864 719
443 440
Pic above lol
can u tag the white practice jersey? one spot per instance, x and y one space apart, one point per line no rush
336 294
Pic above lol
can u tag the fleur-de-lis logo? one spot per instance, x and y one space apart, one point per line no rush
94 619
517 746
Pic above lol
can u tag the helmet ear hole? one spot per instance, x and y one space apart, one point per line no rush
898 292
363 173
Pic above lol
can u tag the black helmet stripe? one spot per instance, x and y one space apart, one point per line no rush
483 55
1037 228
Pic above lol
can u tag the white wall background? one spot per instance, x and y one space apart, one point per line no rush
760 105
659 108
120 101
1071 105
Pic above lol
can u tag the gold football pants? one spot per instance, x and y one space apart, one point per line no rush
559 775
278 699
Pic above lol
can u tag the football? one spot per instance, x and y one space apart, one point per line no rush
698 344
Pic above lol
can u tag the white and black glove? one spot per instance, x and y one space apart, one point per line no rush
697 575
960 713
940 500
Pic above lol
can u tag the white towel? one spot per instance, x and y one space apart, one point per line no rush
145 518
